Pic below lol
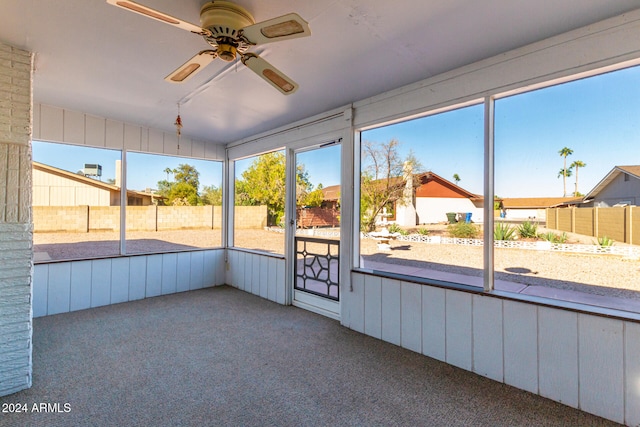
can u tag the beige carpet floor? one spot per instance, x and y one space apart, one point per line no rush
222 357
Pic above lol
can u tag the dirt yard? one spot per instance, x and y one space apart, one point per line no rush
598 274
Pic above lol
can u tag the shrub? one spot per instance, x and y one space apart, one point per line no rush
528 230
423 231
463 230
503 231
553 238
394 228
604 241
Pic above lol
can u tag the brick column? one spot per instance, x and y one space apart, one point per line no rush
16 239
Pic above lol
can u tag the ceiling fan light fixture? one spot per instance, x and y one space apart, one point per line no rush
145 11
282 29
226 52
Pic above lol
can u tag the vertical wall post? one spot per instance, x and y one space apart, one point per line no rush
123 202
489 192
16 222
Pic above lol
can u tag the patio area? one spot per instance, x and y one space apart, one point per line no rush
220 356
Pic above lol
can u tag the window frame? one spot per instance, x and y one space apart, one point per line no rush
489 193
124 203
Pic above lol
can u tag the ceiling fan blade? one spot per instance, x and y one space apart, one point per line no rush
285 27
159 16
271 74
192 66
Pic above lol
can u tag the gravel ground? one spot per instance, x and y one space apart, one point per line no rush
597 274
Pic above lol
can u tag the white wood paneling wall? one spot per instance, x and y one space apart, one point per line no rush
55 124
62 287
585 361
258 274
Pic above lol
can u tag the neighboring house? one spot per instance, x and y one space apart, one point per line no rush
436 196
621 186
331 197
522 208
431 200
58 187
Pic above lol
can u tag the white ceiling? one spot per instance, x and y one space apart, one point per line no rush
99 59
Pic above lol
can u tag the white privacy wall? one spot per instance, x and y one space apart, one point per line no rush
15 220
258 274
585 361
62 287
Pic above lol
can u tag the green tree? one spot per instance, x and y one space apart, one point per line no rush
382 178
456 178
314 198
577 165
263 183
184 189
183 194
211 195
187 174
564 152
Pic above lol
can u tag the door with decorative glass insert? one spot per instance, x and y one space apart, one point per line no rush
316 241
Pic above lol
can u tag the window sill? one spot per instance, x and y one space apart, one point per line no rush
580 302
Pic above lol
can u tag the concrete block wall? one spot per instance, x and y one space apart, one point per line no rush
250 217
611 223
104 218
185 217
80 219
141 218
15 220
61 218
616 223
584 221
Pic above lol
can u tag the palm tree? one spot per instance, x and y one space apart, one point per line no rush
168 171
577 164
566 151
456 178
565 173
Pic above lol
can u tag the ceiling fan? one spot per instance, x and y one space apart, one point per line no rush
231 31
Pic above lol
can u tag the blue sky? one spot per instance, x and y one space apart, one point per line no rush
598 118
144 170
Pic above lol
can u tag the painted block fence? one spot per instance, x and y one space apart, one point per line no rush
82 219
621 224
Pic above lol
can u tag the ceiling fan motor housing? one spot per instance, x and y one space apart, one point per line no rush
224 19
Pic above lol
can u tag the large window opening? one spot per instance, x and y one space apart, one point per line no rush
174 203
260 202
567 183
76 201
566 186
421 204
